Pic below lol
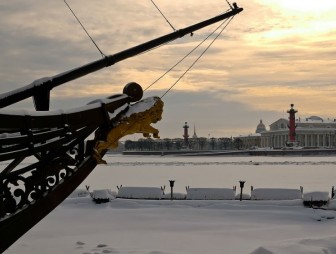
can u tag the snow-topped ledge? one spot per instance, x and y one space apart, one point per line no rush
92 105
141 106
140 193
210 194
79 193
275 194
177 196
102 195
316 196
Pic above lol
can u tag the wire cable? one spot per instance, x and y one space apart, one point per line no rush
204 51
163 15
198 58
171 68
228 21
103 55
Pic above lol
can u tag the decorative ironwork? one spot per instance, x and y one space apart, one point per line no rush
58 141
22 187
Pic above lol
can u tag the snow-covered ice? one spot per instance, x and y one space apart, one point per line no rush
140 192
79 225
210 193
276 194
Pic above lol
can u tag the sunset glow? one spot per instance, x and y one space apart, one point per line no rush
274 53
304 6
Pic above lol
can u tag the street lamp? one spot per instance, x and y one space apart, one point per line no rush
171 182
241 189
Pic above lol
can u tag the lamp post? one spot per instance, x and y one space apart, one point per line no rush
171 182
241 189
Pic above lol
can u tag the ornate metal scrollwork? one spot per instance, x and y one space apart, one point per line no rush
23 187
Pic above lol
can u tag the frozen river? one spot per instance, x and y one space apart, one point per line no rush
80 226
313 173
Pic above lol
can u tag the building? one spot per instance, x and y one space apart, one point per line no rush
253 140
260 127
311 132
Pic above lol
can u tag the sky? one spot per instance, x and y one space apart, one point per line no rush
274 53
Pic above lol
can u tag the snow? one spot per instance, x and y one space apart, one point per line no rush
316 196
79 225
137 107
35 83
210 193
275 194
103 194
140 192
92 105
332 204
117 111
175 195
79 193
141 106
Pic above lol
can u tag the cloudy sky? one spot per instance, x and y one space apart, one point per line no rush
274 53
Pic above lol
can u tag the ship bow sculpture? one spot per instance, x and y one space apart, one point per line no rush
63 157
59 144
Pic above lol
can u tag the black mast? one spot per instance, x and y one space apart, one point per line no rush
40 89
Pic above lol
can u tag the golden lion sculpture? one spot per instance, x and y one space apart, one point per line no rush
137 119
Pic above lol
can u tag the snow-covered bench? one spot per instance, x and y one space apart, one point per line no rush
315 198
210 194
140 193
275 194
79 193
102 196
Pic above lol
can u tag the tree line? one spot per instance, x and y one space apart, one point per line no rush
167 144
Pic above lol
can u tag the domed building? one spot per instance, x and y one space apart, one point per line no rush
252 140
260 127
311 132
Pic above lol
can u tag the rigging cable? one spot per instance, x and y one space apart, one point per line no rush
193 62
185 55
229 4
198 58
165 42
163 15
103 55
191 34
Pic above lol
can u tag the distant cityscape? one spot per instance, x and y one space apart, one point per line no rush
311 132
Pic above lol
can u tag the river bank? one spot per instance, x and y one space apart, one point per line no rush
255 152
